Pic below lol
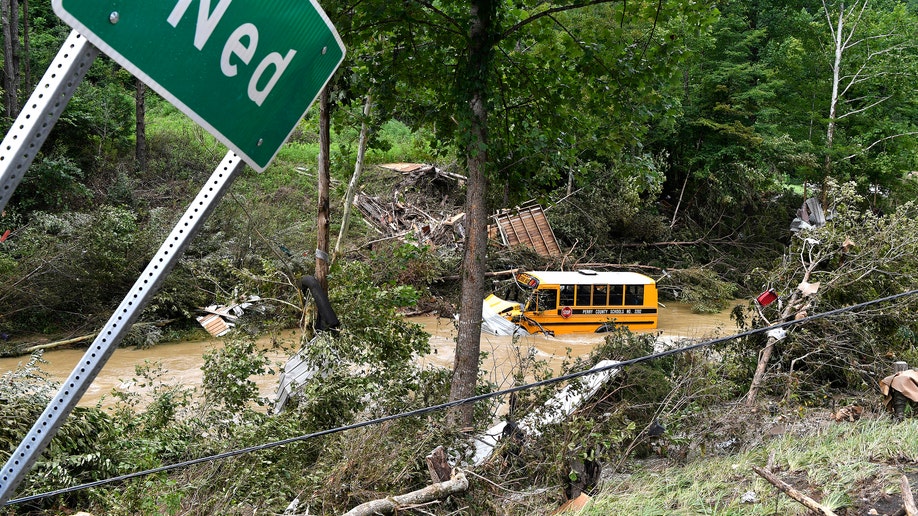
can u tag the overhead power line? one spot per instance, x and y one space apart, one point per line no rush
456 403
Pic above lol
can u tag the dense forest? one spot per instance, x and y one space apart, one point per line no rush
681 137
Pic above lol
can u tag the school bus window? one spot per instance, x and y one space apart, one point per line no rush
634 295
615 295
567 295
548 299
584 295
600 295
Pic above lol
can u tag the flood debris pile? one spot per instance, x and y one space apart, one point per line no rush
404 220
421 206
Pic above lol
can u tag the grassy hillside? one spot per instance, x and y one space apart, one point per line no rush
849 467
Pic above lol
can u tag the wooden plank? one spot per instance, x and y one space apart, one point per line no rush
529 222
214 324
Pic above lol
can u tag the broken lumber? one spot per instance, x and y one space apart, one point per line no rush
438 465
789 490
908 500
456 484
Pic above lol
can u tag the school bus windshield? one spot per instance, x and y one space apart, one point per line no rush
542 300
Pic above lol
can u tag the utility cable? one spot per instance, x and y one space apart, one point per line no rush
456 403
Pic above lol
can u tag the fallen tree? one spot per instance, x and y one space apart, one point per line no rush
390 504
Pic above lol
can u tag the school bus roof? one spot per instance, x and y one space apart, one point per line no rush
589 277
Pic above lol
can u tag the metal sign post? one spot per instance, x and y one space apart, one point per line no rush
41 112
118 326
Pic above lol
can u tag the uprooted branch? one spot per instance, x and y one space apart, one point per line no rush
456 484
793 493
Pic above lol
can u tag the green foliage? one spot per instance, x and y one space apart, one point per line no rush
110 245
150 405
404 264
704 288
390 142
71 266
81 450
98 122
227 374
54 183
722 155
373 352
28 380
612 206
600 119
180 162
857 256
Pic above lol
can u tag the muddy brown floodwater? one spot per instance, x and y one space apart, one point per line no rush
504 354
182 361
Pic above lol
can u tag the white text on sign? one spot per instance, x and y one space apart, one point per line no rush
242 44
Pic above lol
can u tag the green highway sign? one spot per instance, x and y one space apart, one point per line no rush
246 70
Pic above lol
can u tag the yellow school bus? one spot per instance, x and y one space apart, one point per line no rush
583 301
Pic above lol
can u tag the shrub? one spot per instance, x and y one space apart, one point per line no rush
83 450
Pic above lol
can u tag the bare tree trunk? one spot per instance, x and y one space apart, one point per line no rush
322 218
679 202
765 355
757 378
9 12
833 103
26 47
836 76
468 340
355 179
140 127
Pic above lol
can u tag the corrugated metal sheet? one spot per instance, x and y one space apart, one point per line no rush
527 226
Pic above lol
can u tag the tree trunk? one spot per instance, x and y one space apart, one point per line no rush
26 48
836 77
790 310
759 376
468 340
355 179
322 218
833 103
9 11
140 128
390 504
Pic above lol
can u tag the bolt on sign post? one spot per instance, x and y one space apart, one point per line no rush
247 71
